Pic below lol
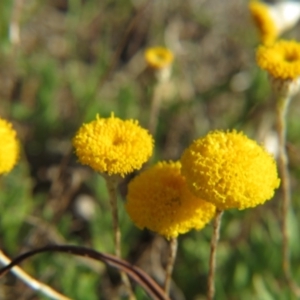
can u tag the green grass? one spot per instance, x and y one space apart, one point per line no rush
65 71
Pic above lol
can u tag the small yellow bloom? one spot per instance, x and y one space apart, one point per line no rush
281 61
264 21
158 199
274 19
159 57
113 146
9 147
229 170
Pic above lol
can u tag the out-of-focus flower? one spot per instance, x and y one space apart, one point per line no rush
159 60
282 62
158 199
9 147
230 170
113 146
159 57
274 19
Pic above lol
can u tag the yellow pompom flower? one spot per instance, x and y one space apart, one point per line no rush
229 170
159 57
9 147
264 21
113 146
159 199
282 60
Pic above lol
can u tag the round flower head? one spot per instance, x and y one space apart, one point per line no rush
113 146
159 57
274 19
159 199
229 170
9 147
282 60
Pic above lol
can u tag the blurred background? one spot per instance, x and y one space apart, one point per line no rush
64 61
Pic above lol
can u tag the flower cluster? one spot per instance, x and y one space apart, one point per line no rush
230 170
10 148
159 199
113 146
223 170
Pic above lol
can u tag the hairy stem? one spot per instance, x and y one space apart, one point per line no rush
213 252
281 111
155 108
170 264
111 183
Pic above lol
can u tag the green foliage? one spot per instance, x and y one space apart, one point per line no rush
77 59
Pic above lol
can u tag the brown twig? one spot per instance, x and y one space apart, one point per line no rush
170 264
213 252
32 282
135 273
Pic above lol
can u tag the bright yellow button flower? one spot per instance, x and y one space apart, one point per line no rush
281 61
113 146
159 199
229 170
9 147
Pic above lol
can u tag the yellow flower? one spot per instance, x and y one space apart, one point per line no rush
159 57
273 19
9 147
113 146
229 170
282 62
159 199
264 21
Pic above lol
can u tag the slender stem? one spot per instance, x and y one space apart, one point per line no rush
155 108
213 252
282 105
281 110
14 26
32 282
170 264
111 183
163 78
